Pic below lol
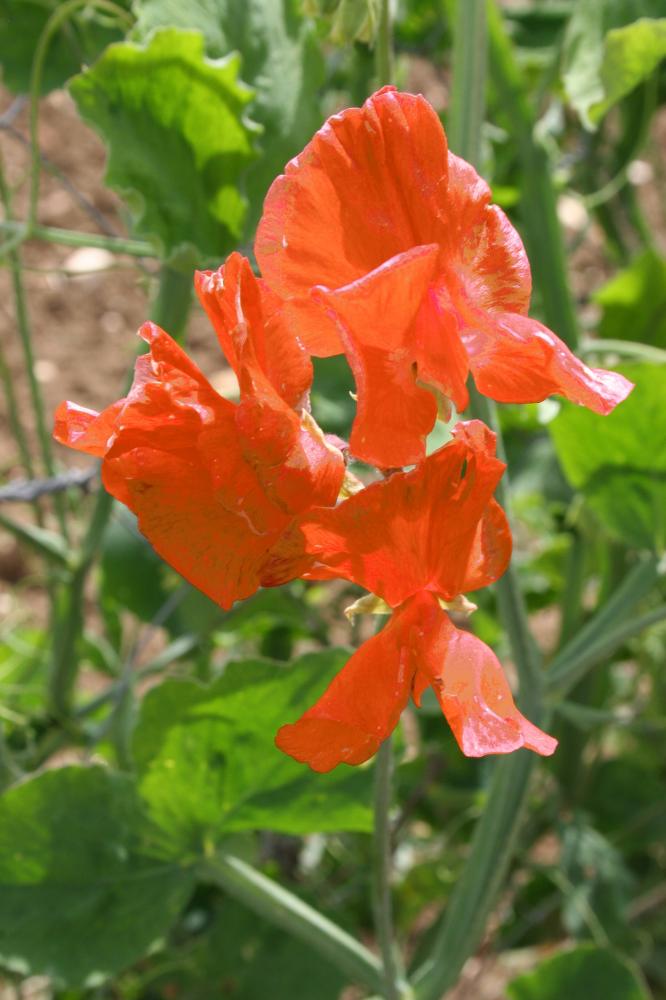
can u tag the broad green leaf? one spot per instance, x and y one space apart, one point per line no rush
280 59
610 47
619 462
23 666
579 974
81 893
207 764
634 302
179 142
80 40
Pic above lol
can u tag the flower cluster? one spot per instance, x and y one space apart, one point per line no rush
378 243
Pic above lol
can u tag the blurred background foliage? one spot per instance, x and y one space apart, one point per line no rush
137 718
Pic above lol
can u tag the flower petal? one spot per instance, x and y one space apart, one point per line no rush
515 359
375 319
471 687
415 530
367 187
360 707
86 430
491 549
252 330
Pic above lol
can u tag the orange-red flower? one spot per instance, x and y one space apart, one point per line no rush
416 540
215 484
389 250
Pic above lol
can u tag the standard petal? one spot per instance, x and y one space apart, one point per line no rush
416 530
361 706
471 688
515 359
368 186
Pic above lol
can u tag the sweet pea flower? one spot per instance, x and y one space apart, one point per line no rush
416 541
389 250
215 484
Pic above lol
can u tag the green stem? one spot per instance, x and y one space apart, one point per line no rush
20 231
68 616
571 671
171 305
382 858
572 597
468 92
543 234
593 642
282 908
475 893
25 335
60 15
384 46
15 417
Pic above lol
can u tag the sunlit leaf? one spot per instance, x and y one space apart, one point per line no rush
207 764
280 59
634 302
179 142
610 47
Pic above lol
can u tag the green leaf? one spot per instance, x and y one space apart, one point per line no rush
583 972
82 893
610 46
281 60
207 764
619 461
80 40
178 139
633 302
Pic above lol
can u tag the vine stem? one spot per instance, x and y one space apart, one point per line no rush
18 232
384 58
25 335
382 858
280 907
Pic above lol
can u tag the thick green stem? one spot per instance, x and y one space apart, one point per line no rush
468 93
20 231
382 904
476 891
171 305
602 634
543 234
384 46
282 908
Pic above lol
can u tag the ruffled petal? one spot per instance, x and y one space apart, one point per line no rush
182 458
360 707
415 530
484 266
515 359
375 321
470 686
86 430
252 330
368 186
